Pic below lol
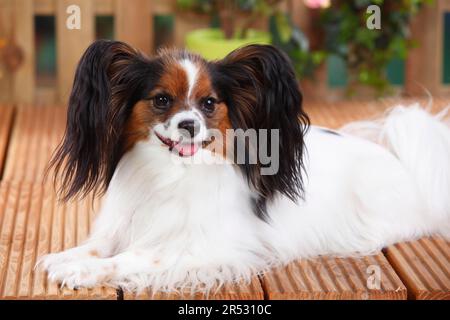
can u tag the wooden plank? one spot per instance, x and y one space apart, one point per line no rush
6 88
424 267
336 115
104 7
44 7
45 95
48 7
36 134
33 224
71 44
334 278
23 80
241 291
164 6
6 122
134 24
420 77
442 7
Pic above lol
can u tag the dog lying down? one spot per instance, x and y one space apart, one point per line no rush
213 173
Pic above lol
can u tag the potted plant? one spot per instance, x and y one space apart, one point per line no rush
367 53
235 19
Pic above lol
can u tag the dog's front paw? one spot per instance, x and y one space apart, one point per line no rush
83 273
70 255
54 259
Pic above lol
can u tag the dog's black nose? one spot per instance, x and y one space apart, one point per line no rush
190 128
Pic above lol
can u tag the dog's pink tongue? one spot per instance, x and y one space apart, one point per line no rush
186 150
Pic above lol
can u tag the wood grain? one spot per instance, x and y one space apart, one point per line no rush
334 279
71 44
427 28
424 267
241 291
106 7
36 134
134 24
6 26
336 114
6 122
23 80
32 224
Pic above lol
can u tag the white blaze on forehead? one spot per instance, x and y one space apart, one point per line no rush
191 72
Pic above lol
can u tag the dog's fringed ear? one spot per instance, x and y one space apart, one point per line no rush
110 78
262 92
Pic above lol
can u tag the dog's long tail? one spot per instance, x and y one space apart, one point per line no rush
421 141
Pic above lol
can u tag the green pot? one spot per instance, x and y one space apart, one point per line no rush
211 43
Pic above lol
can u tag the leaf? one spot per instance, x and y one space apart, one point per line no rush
283 26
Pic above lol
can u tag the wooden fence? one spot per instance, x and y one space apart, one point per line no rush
133 23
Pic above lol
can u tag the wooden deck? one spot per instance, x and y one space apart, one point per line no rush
33 223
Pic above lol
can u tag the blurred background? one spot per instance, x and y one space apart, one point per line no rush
334 53
347 72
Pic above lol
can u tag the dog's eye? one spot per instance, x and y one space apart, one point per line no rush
162 101
209 105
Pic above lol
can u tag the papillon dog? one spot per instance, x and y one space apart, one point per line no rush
212 173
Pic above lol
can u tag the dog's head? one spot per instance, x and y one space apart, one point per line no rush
120 97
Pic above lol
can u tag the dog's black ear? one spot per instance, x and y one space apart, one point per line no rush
261 91
110 78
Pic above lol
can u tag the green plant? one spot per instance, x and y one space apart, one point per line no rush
288 37
227 11
367 52
285 34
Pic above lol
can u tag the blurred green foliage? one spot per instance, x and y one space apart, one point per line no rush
446 74
227 11
264 7
289 38
367 52
104 27
285 34
373 58
45 44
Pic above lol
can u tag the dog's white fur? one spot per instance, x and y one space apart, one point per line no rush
173 226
